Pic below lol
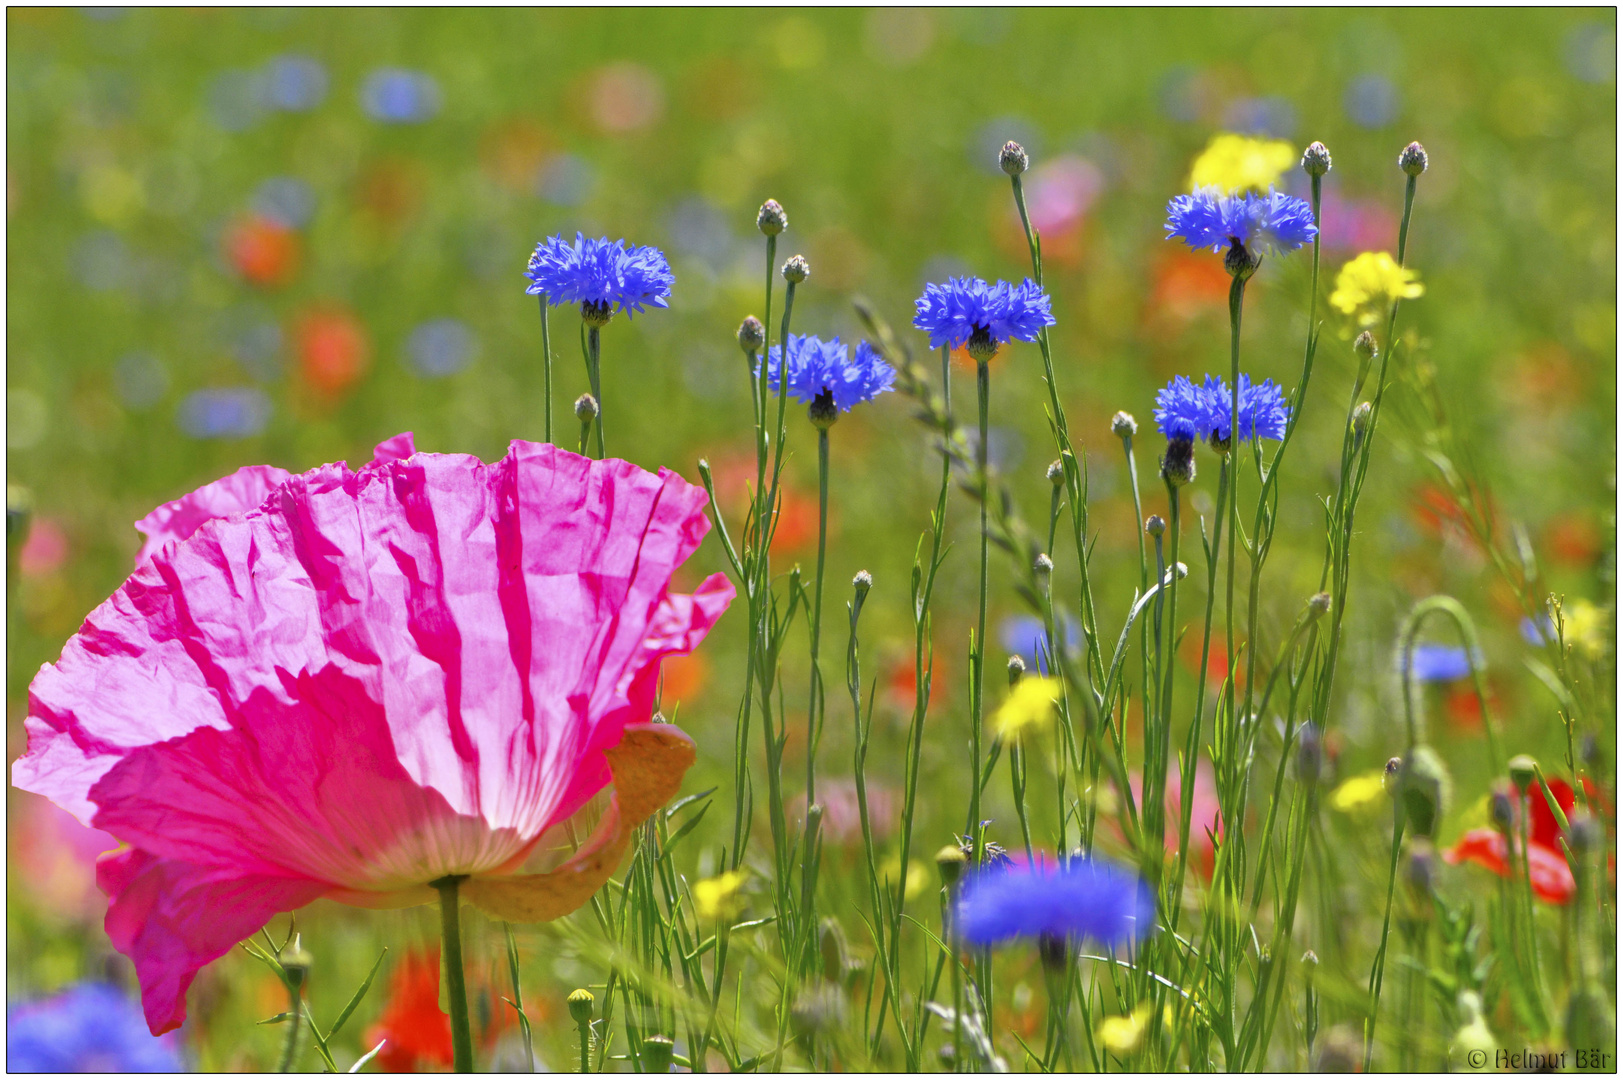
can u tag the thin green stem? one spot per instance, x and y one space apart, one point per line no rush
546 367
593 364
451 960
1378 970
983 392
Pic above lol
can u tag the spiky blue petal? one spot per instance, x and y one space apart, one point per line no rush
816 366
600 272
1272 222
950 313
1082 898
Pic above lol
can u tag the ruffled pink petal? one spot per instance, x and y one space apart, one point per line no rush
376 678
175 521
171 917
394 448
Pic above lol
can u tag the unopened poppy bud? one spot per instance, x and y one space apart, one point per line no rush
1389 776
1316 159
950 862
657 1051
1522 768
771 220
862 583
1013 158
586 408
1155 525
981 346
1364 347
751 335
1178 464
596 313
1413 160
796 270
1501 811
1426 788
1318 604
1056 472
295 960
1122 425
1309 754
580 1006
1017 669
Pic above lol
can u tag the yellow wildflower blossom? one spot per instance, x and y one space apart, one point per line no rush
717 897
1368 285
1585 626
1029 706
1359 794
917 876
1122 1034
1239 163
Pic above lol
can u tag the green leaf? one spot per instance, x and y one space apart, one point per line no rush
368 1056
360 993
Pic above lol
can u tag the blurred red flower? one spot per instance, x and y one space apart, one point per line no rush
418 1033
332 350
1547 867
264 251
1186 285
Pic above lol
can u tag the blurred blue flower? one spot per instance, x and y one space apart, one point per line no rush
1372 101
101 261
441 347
140 380
1591 52
400 96
817 367
238 98
600 272
699 229
952 312
234 413
1080 898
1261 116
296 83
91 1027
1439 663
1025 637
1534 634
1210 219
286 200
566 180
1183 94
1189 411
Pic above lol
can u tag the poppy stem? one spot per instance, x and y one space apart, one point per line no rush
451 964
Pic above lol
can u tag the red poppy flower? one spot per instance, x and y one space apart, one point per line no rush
1547 867
263 251
332 350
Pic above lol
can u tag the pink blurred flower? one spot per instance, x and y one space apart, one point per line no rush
1205 815
626 96
1355 224
371 681
45 550
1060 192
56 857
842 814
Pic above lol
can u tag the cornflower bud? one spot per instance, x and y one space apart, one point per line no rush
1501 811
1056 472
1426 789
751 335
1360 421
1155 525
1413 160
1422 868
796 270
586 408
771 220
1316 159
1389 776
1017 669
1318 604
1013 158
862 583
1364 347
1123 426
1309 754
1584 834
1522 768
1044 565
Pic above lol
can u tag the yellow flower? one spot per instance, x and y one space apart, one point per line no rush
1238 163
1369 284
1122 1034
1028 707
1585 626
717 897
917 876
1359 794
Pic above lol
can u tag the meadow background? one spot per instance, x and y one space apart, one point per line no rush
239 237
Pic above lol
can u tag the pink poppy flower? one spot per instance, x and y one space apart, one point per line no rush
370 681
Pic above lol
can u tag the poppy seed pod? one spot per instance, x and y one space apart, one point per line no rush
1426 788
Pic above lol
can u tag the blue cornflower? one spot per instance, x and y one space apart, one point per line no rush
1257 223
598 274
1431 662
1185 410
1535 634
1080 898
969 311
90 1027
1026 637
819 368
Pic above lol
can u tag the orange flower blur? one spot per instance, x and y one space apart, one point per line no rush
263 251
332 350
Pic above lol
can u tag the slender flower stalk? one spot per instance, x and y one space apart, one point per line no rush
451 961
546 370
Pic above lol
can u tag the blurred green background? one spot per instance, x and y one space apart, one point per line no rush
282 236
